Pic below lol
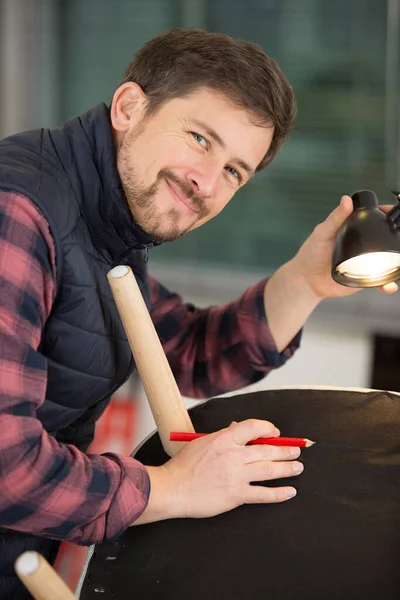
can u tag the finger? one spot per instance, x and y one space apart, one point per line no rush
267 470
330 227
257 494
251 429
386 207
389 288
258 452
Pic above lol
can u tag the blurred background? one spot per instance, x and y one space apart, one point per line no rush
61 57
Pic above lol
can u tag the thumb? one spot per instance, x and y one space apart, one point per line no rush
337 217
250 429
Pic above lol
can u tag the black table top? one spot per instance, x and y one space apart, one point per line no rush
338 538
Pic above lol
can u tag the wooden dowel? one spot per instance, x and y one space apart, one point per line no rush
162 392
40 579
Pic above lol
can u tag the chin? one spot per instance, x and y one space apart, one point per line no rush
153 226
157 234
168 236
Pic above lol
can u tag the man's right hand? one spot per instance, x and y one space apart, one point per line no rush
212 474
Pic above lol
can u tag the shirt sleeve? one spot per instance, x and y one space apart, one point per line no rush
218 349
47 488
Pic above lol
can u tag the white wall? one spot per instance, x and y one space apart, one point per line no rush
327 356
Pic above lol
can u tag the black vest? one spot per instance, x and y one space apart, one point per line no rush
70 175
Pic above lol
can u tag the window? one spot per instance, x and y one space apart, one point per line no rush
342 60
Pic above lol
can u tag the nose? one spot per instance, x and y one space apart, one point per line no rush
204 177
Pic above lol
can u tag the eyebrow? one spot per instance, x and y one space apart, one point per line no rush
217 138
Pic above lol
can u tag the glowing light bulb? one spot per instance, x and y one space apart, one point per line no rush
370 266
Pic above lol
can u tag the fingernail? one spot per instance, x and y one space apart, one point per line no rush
294 452
291 493
277 432
298 467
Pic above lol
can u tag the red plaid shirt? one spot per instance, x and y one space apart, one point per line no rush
210 351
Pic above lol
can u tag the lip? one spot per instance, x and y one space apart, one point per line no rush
181 197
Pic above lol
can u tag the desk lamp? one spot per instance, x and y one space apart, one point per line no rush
367 247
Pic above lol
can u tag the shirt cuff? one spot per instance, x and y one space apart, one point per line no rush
252 315
131 499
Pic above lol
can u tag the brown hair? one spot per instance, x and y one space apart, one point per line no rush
180 61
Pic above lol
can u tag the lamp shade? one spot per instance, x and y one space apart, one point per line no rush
367 247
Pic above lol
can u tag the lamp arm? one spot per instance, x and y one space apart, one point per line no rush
394 213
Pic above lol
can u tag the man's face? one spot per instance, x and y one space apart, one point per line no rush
180 167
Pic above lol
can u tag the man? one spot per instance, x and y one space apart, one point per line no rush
195 117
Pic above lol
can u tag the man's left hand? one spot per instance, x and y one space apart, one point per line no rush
315 255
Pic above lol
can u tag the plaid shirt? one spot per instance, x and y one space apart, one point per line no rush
96 497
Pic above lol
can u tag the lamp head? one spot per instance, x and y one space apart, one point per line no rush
367 247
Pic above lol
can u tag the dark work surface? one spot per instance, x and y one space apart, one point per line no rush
385 363
338 539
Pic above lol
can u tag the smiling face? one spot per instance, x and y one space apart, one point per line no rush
181 166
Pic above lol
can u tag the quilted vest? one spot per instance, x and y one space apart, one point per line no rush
70 174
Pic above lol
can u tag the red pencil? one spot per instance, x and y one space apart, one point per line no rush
181 436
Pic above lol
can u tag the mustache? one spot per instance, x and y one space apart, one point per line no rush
187 190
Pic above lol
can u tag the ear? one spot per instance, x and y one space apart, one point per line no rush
127 107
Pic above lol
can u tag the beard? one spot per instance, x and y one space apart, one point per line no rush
143 201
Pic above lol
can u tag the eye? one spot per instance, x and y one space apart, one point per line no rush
234 173
200 139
